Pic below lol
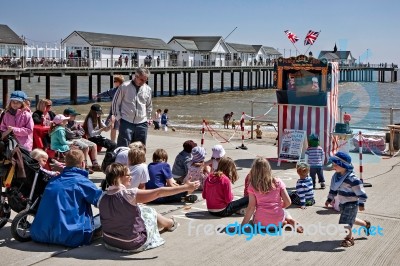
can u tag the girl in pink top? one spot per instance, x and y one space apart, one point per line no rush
18 120
267 196
217 190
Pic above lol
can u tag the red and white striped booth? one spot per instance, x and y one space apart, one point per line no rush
301 109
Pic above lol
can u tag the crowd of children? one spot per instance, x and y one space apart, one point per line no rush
131 181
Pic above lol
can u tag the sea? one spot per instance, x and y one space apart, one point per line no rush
368 103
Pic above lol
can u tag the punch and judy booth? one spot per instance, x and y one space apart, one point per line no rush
307 97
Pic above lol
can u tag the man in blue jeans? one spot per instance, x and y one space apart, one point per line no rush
131 106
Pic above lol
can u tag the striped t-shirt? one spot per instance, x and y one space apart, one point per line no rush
315 156
304 189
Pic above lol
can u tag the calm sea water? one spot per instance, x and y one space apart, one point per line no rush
369 102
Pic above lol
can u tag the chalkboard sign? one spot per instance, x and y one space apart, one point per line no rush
291 145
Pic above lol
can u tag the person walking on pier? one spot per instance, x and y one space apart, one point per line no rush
132 105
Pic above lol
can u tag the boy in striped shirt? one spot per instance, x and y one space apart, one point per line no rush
315 158
351 195
304 194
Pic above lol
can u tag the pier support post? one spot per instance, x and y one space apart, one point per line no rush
47 86
211 81
232 79
90 87
162 84
199 82
74 89
98 86
241 76
249 80
170 84
189 82
176 84
222 81
184 83
155 86
111 80
17 84
5 92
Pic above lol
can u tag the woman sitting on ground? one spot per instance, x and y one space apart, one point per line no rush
43 115
128 226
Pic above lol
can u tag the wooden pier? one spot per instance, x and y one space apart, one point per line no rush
250 77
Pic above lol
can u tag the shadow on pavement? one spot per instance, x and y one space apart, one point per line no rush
324 246
246 163
327 211
201 215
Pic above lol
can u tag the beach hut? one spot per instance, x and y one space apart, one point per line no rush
307 98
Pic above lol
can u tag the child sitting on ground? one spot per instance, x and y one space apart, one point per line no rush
198 170
138 167
304 194
161 176
217 190
129 226
268 197
182 160
41 156
217 153
315 159
351 195
59 142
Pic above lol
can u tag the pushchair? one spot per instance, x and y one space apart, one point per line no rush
22 184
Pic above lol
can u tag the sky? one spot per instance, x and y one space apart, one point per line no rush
367 28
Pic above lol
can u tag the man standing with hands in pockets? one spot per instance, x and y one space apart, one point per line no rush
131 106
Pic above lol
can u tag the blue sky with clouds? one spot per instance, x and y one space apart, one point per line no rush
353 25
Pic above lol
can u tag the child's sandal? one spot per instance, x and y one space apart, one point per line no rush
368 226
347 242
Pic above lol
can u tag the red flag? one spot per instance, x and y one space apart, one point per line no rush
291 36
311 37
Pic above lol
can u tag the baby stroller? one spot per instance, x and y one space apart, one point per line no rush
22 184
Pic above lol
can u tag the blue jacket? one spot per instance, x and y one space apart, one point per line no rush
65 215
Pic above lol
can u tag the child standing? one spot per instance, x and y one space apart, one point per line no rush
41 156
157 119
17 120
267 196
93 126
304 194
127 225
198 170
217 190
258 132
164 120
161 176
233 124
315 159
351 195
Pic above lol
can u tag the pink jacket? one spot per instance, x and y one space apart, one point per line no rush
23 127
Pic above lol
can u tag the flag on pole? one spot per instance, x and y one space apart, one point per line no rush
291 36
311 37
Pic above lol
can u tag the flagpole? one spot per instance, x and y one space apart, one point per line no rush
296 48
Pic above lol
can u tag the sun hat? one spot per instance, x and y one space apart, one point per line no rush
218 151
18 96
198 154
343 160
314 79
70 111
58 119
97 107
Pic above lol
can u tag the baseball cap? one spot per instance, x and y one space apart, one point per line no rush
97 107
70 111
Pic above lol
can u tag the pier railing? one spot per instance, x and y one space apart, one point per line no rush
386 116
78 62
